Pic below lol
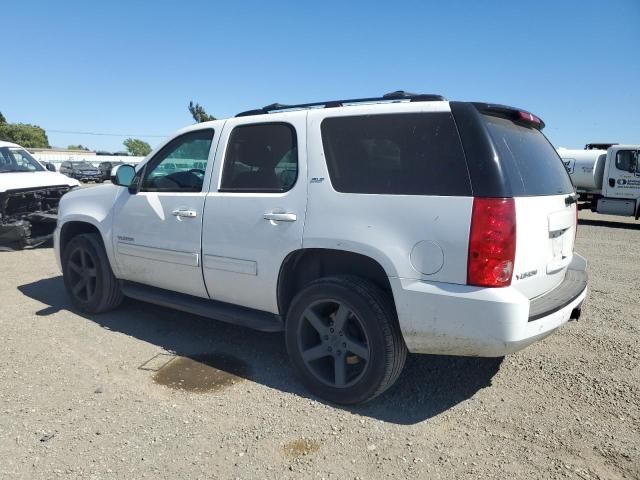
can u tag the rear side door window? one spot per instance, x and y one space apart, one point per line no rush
261 158
397 154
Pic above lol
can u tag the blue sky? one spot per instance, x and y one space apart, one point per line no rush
132 67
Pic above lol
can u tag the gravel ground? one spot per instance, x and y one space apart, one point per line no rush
146 392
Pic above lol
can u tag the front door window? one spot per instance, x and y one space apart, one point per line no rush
180 166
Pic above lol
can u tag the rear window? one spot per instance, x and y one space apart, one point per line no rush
532 165
401 154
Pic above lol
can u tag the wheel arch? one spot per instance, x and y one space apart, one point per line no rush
305 265
74 228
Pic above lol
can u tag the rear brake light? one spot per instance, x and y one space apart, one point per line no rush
528 117
492 242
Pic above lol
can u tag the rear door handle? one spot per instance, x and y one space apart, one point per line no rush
180 212
280 217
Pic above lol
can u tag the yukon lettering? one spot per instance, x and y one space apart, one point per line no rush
524 275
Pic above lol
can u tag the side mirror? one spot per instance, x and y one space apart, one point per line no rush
122 175
50 166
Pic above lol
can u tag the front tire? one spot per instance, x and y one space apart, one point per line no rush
88 277
344 340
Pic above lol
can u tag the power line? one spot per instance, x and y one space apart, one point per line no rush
102 134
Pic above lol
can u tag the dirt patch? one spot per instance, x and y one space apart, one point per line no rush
301 447
202 373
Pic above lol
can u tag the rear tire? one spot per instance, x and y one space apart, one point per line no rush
343 339
88 277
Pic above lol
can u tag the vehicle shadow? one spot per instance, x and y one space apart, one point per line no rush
609 224
428 386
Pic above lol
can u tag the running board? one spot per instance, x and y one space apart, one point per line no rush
224 312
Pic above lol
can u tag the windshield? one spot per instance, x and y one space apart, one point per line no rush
16 159
85 165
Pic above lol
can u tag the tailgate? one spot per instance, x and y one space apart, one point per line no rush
546 228
543 193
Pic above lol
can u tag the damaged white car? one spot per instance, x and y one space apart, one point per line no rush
29 197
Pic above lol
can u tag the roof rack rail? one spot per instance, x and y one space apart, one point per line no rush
387 97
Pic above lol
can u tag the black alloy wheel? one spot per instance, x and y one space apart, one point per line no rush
83 274
333 343
87 274
343 339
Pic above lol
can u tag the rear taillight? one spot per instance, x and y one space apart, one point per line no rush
492 242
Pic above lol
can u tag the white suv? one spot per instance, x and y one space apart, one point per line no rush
362 228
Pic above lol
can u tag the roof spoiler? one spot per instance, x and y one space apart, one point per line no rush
518 115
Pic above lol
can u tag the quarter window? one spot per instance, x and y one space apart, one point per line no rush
261 158
180 166
401 154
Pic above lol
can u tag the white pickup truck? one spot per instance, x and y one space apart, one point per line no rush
29 196
607 177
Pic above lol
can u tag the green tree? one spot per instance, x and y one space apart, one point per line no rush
78 147
198 113
2 119
29 136
137 147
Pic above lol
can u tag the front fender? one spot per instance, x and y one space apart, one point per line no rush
93 206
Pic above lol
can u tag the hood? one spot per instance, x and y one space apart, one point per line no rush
92 199
18 180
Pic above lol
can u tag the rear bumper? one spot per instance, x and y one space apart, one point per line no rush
453 319
574 283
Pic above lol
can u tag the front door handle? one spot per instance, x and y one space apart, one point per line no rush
180 212
612 182
280 217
